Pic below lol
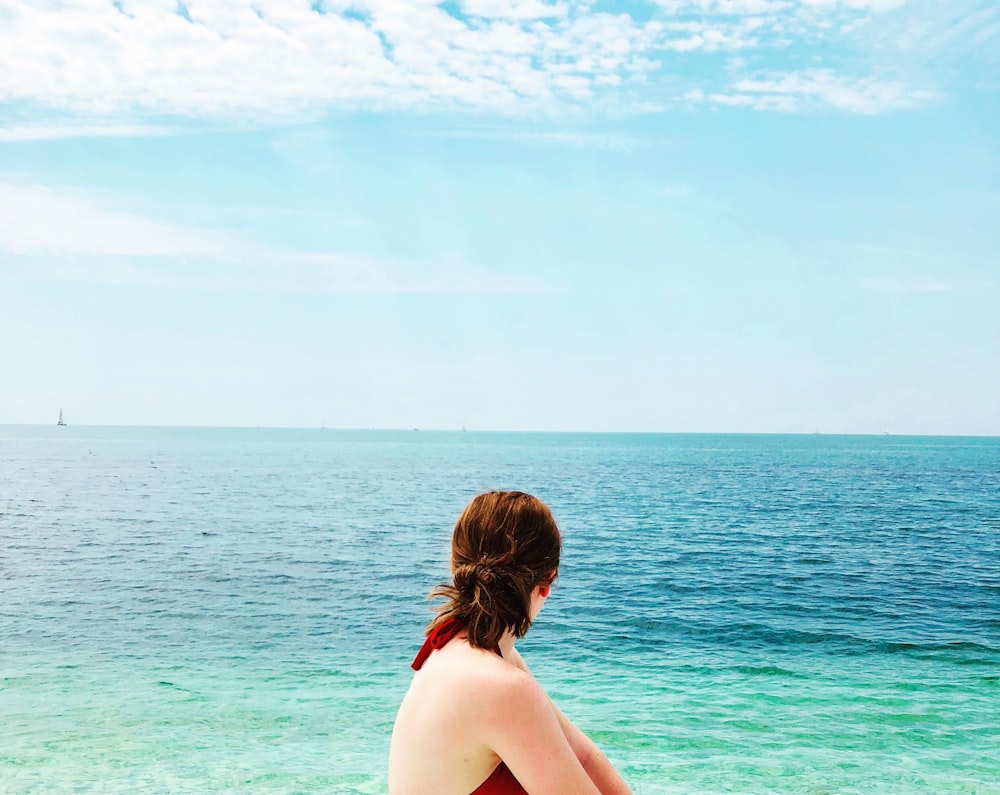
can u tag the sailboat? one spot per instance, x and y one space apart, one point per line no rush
61 421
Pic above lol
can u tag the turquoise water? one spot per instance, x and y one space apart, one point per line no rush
234 611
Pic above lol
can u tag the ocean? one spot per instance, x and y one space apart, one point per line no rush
235 610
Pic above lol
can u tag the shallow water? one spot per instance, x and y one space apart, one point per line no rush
213 610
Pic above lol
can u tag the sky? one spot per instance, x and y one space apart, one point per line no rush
668 216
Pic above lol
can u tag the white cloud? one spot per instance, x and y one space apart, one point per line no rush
861 5
245 60
727 7
943 32
758 7
514 9
69 235
819 88
227 57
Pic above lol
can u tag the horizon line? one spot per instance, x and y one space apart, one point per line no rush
463 429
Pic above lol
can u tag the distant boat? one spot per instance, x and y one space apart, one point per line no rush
61 421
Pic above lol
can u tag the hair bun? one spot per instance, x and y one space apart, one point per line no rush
469 576
487 573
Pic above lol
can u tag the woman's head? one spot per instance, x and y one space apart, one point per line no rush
505 544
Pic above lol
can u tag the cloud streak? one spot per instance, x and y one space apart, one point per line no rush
813 89
54 132
39 220
58 234
577 139
892 286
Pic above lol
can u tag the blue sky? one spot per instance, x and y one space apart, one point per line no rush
684 215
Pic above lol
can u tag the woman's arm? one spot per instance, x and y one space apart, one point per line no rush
519 725
600 770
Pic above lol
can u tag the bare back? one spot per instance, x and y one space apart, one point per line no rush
439 744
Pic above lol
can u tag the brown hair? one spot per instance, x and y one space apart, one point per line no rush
505 543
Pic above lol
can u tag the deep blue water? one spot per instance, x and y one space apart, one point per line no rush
216 610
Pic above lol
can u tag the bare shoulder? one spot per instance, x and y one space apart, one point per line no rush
502 695
497 682
475 678
513 688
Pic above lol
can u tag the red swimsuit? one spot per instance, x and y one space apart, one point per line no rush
501 780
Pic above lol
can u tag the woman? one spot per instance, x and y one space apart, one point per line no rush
474 719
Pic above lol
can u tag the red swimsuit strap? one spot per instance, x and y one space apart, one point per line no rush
436 639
